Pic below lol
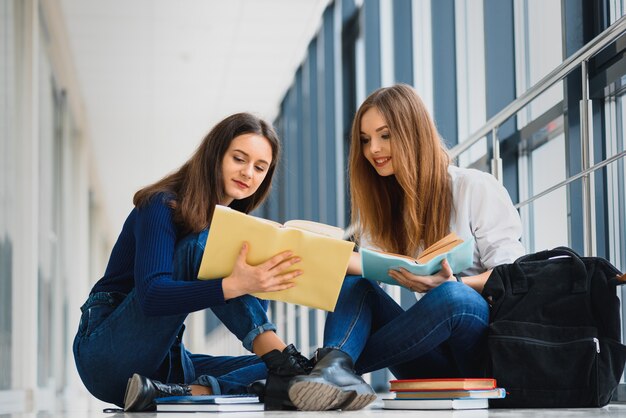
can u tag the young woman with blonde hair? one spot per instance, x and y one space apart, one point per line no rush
128 348
405 196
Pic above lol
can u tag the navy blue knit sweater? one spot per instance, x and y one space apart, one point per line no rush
142 258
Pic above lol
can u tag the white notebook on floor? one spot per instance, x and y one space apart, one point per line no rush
435 403
209 403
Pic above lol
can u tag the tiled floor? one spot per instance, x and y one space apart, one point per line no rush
375 410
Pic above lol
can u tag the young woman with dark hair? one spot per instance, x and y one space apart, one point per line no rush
405 196
128 348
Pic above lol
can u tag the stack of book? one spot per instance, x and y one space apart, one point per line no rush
209 403
471 393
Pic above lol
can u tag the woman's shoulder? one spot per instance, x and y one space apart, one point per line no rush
156 206
470 178
160 199
155 214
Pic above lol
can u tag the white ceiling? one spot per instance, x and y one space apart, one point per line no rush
156 75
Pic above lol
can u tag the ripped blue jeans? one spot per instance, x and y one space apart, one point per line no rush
116 339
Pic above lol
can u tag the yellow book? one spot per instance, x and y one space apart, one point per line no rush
325 255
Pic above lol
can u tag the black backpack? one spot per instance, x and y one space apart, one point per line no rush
554 333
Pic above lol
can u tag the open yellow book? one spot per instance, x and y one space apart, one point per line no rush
325 255
459 253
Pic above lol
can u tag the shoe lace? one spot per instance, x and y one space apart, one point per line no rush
171 389
303 362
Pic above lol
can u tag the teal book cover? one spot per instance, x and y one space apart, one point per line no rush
376 264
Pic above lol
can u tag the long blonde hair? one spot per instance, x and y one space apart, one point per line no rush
195 188
411 209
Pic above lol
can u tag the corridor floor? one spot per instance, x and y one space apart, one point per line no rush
94 409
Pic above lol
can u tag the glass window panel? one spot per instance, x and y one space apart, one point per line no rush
617 222
387 50
328 119
470 66
297 321
305 159
615 142
403 41
422 51
7 183
550 211
546 219
470 63
314 138
476 156
372 45
538 50
616 9
312 328
49 162
618 181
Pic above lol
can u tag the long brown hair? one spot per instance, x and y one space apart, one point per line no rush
197 186
411 209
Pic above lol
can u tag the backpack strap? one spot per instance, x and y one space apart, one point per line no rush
520 284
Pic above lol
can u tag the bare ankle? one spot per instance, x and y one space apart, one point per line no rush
200 390
266 342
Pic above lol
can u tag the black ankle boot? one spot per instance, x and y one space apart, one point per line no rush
141 393
332 384
258 388
305 363
281 368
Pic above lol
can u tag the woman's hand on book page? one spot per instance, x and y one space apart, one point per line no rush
269 276
422 284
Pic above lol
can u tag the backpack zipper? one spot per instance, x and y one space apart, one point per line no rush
542 342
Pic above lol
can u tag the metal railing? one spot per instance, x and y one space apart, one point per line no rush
579 58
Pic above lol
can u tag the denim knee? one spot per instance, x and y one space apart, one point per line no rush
461 299
188 255
355 284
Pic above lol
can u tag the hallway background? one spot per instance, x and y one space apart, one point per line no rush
99 98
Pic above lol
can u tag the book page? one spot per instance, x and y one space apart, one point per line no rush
444 245
440 247
268 221
396 256
316 227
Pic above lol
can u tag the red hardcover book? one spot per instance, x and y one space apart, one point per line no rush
442 384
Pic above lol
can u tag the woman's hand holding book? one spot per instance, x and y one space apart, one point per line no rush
270 276
422 284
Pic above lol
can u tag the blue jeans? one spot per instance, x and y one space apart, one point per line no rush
116 339
442 335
